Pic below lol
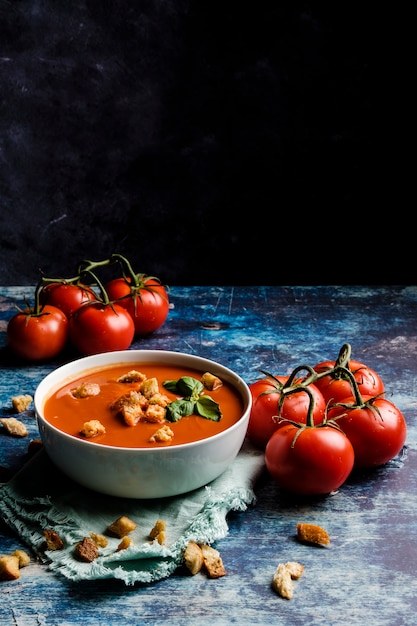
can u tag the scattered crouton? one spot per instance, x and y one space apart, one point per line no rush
165 433
9 567
85 390
158 532
212 561
311 533
34 445
21 403
10 564
125 543
91 429
86 550
14 427
121 527
193 557
211 382
99 540
282 582
53 540
23 557
295 569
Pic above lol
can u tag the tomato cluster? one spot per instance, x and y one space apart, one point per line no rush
91 316
315 429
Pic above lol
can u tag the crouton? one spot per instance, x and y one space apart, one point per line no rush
154 413
93 428
23 557
53 540
86 550
21 403
85 390
193 557
149 387
125 543
311 533
9 567
14 427
212 561
211 382
131 406
285 574
121 527
99 540
158 532
132 377
165 433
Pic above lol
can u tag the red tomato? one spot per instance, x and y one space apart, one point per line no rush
377 430
97 327
67 297
263 420
317 462
38 336
147 304
337 386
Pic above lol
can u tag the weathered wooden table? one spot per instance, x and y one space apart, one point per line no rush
367 575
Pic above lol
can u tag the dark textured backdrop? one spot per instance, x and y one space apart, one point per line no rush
210 142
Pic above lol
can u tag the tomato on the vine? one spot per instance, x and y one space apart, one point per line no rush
312 460
376 428
337 384
147 302
101 327
266 394
66 296
37 335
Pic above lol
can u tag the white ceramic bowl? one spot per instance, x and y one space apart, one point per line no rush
141 472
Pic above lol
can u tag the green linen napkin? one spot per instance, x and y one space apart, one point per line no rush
41 497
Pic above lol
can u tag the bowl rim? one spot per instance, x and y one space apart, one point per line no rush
117 357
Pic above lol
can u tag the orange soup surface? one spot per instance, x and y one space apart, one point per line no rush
69 413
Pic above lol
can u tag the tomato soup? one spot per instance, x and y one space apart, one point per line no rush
67 412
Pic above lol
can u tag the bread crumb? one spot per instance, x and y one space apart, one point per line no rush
295 569
158 532
282 582
23 557
99 540
34 445
9 567
14 426
311 533
121 527
53 540
212 561
86 550
125 543
21 403
193 557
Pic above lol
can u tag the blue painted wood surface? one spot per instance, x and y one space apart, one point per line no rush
367 575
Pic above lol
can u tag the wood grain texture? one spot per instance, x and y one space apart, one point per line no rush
367 574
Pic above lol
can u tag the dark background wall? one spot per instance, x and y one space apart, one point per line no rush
209 142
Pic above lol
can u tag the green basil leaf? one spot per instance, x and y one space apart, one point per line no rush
208 408
189 387
171 385
179 408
